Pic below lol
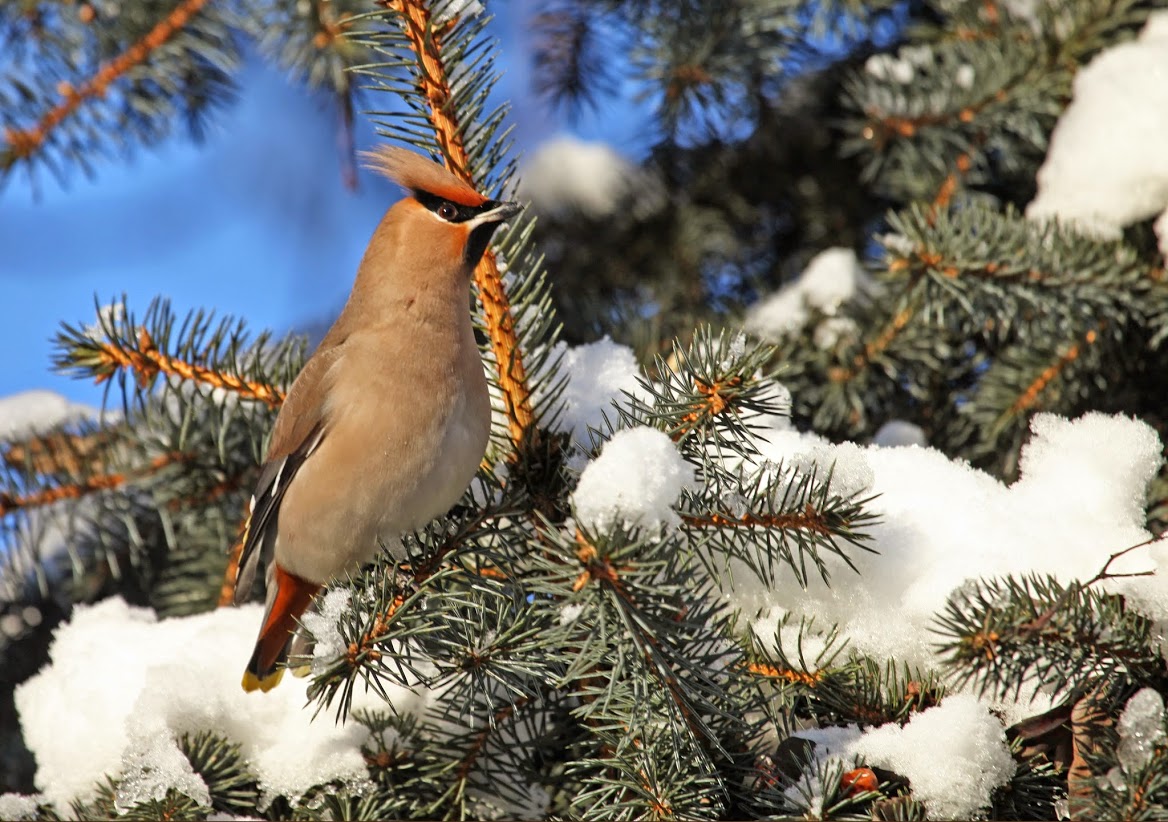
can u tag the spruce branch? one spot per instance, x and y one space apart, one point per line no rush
874 347
10 503
105 358
944 196
24 143
1070 638
1032 393
1102 575
61 452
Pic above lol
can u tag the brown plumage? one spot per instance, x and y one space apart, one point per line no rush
386 424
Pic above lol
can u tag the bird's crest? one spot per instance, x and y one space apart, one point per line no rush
414 172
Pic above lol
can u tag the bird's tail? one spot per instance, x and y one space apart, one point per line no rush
288 597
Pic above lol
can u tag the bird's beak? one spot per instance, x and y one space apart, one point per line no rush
497 213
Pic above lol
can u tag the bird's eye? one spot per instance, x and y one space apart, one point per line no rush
447 211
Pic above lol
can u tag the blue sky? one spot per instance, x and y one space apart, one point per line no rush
253 222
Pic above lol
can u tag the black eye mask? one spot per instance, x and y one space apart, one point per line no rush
462 213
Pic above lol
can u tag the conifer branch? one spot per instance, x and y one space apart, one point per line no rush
599 568
425 39
809 519
23 143
10 503
715 398
874 347
882 129
105 358
948 188
479 740
787 674
59 452
1035 389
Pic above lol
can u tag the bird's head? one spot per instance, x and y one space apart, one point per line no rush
443 214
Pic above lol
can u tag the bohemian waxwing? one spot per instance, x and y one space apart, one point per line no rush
386 425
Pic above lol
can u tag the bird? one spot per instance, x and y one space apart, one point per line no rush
388 421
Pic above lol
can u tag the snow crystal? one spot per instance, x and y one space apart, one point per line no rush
1161 229
1141 729
942 522
140 678
775 395
29 412
18 807
831 278
800 646
598 373
154 767
954 755
898 433
1027 11
107 316
636 480
566 173
964 76
831 741
1075 461
324 625
444 12
1106 167
569 613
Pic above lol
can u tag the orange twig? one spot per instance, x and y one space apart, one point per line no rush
794 677
881 129
24 142
714 402
147 361
380 626
425 40
1030 395
480 740
89 485
809 520
873 348
949 187
59 452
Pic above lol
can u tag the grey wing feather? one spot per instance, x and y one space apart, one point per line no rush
259 539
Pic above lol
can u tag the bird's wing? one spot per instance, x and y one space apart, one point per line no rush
300 428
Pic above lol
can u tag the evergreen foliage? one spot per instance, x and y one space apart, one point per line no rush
574 671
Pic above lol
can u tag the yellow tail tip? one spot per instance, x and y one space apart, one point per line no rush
251 682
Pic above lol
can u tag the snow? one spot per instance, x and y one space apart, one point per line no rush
108 316
324 625
1141 729
142 682
598 374
16 807
1078 500
895 433
832 278
636 480
568 174
1106 167
953 755
444 12
964 76
152 767
30 412
1161 229
900 67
